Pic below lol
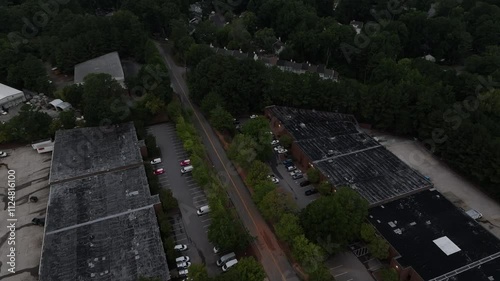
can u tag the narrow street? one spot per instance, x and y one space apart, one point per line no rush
272 258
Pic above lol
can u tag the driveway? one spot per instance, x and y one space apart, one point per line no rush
347 267
267 249
189 228
454 187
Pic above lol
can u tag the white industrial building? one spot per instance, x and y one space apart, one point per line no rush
108 63
10 97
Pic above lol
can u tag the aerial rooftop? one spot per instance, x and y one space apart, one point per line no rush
85 151
100 222
117 248
102 195
349 157
437 239
108 63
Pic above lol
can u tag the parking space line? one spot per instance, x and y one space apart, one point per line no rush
203 195
206 220
340 274
182 239
336 267
197 191
207 225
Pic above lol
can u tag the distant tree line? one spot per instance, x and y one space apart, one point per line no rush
455 114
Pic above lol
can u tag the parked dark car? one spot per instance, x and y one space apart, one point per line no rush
288 162
38 221
305 183
311 192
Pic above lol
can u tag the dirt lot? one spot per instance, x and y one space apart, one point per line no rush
31 179
454 187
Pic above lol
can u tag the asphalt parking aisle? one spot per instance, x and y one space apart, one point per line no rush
193 229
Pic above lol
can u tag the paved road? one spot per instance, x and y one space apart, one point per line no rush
269 253
189 228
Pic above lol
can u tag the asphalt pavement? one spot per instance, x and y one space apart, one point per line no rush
188 227
272 258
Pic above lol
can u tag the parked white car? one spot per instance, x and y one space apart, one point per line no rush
295 172
182 259
3 154
156 161
275 142
253 116
183 264
282 150
180 247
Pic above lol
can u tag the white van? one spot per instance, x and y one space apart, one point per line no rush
225 258
229 264
203 210
186 169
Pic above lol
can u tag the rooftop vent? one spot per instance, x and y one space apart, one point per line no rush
413 223
398 231
302 125
392 224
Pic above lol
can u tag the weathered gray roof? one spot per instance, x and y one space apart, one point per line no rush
108 63
100 222
100 195
84 151
349 157
120 248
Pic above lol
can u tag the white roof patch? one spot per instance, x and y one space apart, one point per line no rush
446 245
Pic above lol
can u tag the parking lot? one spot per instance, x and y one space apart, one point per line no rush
189 228
291 185
31 179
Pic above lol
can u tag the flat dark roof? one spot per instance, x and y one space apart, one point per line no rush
489 271
349 157
412 224
85 151
100 222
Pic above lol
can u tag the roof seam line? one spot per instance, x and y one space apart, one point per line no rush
352 152
100 219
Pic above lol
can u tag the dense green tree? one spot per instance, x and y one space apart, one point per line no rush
226 232
73 94
197 53
325 188
261 189
310 255
247 269
286 141
221 119
265 38
29 125
257 173
276 204
288 228
102 100
242 150
313 175
68 119
336 218
211 101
